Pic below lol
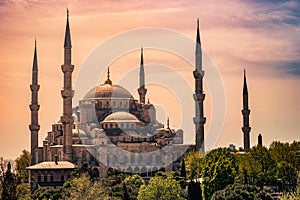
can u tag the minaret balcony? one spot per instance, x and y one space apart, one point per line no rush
34 107
34 87
67 93
246 129
67 68
199 97
67 119
246 112
198 74
34 127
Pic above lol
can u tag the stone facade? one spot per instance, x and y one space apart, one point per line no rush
108 128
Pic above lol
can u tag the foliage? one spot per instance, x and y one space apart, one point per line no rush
292 195
193 165
83 188
9 185
21 163
194 191
132 185
264 159
183 169
249 169
82 168
219 169
162 186
23 191
242 192
48 193
112 183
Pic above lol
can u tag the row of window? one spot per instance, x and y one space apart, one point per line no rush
51 179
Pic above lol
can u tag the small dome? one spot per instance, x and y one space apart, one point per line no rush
78 132
121 117
108 91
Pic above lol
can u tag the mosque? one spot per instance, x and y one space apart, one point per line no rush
109 128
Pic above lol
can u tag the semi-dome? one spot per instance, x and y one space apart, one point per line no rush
121 117
107 90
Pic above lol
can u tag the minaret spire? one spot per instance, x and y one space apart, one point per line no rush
199 96
67 94
34 107
246 112
142 89
108 81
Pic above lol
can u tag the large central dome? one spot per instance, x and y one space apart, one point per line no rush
107 90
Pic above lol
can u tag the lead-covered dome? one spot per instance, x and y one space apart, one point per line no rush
107 90
121 117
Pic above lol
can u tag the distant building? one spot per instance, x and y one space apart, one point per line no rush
259 139
232 147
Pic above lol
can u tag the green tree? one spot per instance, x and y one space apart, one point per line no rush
267 164
23 191
47 193
133 184
21 163
160 187
9 185
83 188
242 192
249 169
219 169
194 191
182 169
193 165
112 183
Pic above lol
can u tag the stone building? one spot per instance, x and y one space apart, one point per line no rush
108 128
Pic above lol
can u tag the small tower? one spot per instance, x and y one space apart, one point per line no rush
199 96
142 89
246 112
67 95
34 108
259 138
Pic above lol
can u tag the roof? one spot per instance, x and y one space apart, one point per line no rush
53 165
108 91
121 117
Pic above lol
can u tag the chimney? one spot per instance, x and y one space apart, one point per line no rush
56 159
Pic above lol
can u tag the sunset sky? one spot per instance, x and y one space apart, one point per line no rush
260 36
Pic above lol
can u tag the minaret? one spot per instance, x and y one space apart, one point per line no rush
199 96
142 90
34 108
67 94
246 112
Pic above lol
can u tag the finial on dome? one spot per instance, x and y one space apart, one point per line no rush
108 81
168 123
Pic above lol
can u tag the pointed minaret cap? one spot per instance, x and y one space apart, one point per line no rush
142 57
245 90
35 65
108 81
67 33
198 33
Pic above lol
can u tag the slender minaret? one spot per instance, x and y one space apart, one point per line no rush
142 89
34 108
199 96
246 112
67 94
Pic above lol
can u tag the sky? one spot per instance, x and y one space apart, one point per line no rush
259 36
